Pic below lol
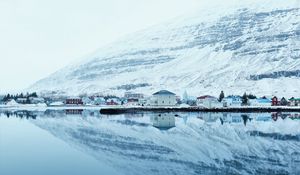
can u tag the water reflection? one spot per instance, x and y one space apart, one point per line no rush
164 121
191 143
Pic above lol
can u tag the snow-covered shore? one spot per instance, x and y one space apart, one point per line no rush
124 109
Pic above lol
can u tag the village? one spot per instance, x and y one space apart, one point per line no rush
162 98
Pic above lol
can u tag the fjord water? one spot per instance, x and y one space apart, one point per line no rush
87 142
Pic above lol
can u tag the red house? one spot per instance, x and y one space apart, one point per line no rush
74 101
275 101
111 102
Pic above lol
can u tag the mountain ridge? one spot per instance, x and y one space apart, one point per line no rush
197 54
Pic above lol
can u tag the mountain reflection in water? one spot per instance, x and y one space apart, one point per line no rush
178 143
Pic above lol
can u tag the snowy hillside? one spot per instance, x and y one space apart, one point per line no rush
249 47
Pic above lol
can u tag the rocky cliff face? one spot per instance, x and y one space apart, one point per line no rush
249 48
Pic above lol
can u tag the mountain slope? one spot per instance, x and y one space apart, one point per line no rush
253 48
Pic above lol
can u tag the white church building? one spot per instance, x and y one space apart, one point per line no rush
163 98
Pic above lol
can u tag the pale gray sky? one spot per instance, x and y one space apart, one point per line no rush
38 37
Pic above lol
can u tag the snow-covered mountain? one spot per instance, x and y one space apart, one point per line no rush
253 47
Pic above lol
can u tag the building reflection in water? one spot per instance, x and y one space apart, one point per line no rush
163 121
73 111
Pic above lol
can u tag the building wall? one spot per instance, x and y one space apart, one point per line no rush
212 103
163 100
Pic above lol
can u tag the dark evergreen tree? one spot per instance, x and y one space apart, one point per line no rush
245 118
251 96
221 96
34 94
244 99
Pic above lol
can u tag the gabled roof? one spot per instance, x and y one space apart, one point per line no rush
297 99
164 92
205 96
235 97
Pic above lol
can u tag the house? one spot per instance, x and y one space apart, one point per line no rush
132 101
232 101
201 99
99 101
283 102
294 101
131 95
87 100
131 98
21 100
260 102
208 101
113 101
163 98
36 100
74 101
275 101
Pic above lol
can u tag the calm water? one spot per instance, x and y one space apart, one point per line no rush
86 142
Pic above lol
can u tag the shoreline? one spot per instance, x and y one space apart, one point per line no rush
137 109
193 109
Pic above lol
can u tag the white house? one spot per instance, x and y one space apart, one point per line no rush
208 101
163 98
21 100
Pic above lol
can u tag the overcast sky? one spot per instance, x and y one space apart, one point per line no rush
38 37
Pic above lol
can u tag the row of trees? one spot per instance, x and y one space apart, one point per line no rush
16 96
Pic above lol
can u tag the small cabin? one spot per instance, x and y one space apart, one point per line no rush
275 101
283 102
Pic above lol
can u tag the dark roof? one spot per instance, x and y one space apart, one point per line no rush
205 96
164 92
